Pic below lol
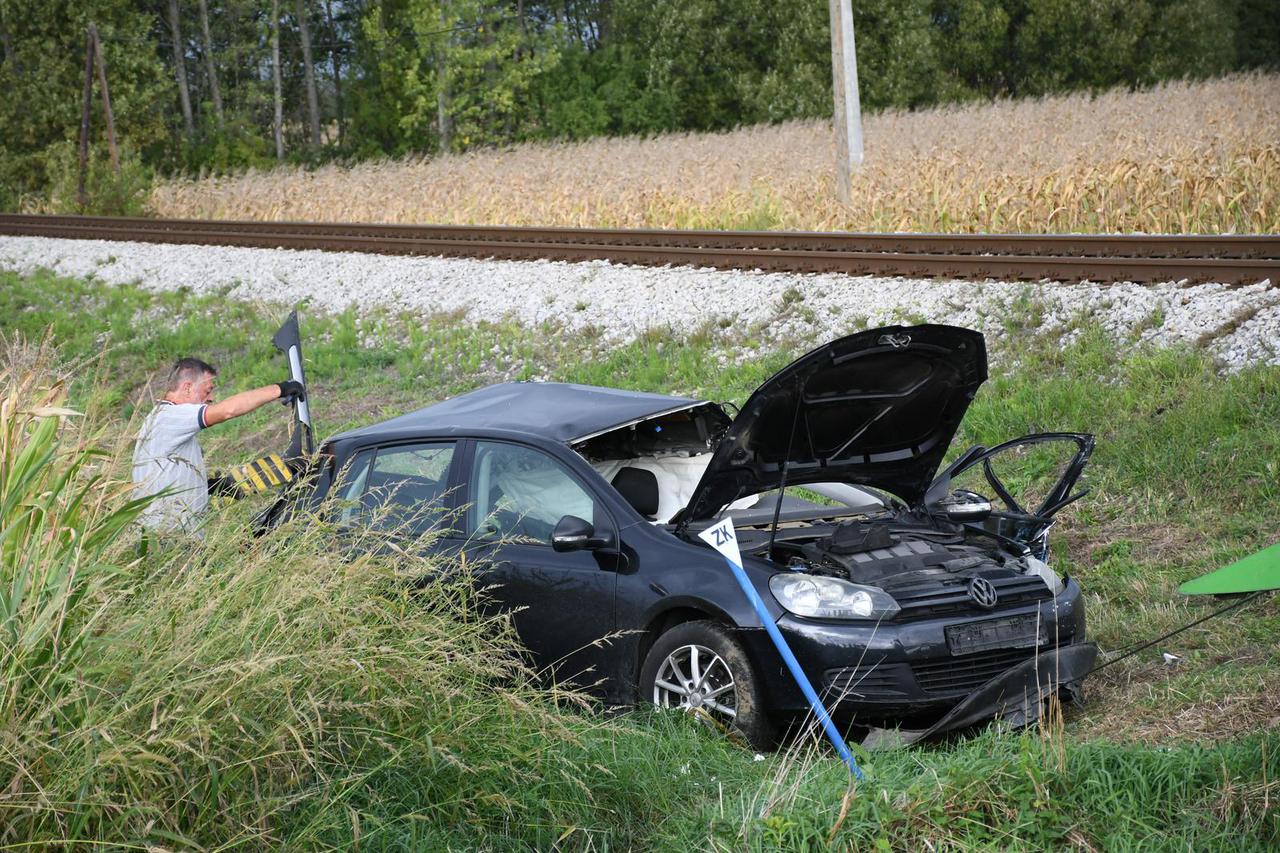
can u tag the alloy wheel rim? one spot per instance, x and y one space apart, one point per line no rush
695 678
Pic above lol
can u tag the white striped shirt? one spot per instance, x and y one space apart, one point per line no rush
167 456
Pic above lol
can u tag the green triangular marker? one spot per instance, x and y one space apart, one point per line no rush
1253 573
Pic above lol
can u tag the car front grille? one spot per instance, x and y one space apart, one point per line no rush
950 676
920 601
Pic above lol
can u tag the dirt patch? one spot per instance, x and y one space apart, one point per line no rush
1210 721
1152 704
1158 543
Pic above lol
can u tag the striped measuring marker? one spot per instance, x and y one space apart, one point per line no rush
260 475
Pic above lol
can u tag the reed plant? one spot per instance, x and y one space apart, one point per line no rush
1181 157
60 518
237 690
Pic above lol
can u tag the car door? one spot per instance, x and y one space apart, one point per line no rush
1033 478
562 603
403 492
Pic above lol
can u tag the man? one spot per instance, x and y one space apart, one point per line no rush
167 456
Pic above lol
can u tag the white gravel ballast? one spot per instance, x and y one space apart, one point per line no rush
1239 325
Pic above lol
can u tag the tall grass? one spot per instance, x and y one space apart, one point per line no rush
236 691
59 521
284 692
1181 157
1008 792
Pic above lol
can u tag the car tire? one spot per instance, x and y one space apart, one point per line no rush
709 651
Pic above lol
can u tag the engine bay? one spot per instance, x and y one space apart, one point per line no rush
856 533
890 551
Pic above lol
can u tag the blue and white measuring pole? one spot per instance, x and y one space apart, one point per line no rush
723 538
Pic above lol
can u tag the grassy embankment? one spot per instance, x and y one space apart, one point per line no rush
246 692
1183 157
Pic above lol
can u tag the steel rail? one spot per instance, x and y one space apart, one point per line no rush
1143 258
1116 245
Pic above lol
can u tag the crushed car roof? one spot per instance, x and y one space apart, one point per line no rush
555 410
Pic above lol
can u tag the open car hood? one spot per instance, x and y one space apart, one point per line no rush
877 408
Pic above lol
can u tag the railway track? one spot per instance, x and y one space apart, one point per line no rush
1231 259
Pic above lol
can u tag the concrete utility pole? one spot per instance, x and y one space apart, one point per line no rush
844 84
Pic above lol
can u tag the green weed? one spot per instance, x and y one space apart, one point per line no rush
257 692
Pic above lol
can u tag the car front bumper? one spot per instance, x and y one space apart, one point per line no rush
908 671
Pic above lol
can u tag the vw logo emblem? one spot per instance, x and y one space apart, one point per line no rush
983 593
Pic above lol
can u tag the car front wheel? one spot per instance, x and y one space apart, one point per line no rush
699 667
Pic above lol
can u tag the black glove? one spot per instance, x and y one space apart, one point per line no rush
291 391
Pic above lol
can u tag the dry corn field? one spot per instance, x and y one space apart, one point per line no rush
1186 157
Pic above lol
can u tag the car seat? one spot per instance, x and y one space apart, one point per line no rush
639 488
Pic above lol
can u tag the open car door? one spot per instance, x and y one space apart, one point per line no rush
1032 479
278 472
288 340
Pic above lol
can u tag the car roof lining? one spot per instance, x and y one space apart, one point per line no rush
683 407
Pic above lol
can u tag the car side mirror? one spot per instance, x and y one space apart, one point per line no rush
577 534
965 506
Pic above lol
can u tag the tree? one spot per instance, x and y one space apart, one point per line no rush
180 69
210 68
1188 38
277 96
453 74
729 62
492 64
444 125
1257 34
336 63
309 73
1035 47
41 76
449 75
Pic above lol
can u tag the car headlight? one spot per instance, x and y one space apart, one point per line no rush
831 598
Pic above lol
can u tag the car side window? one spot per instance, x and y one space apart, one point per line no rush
351 483
402 487
520 493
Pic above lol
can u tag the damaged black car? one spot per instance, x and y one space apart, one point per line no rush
913 598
